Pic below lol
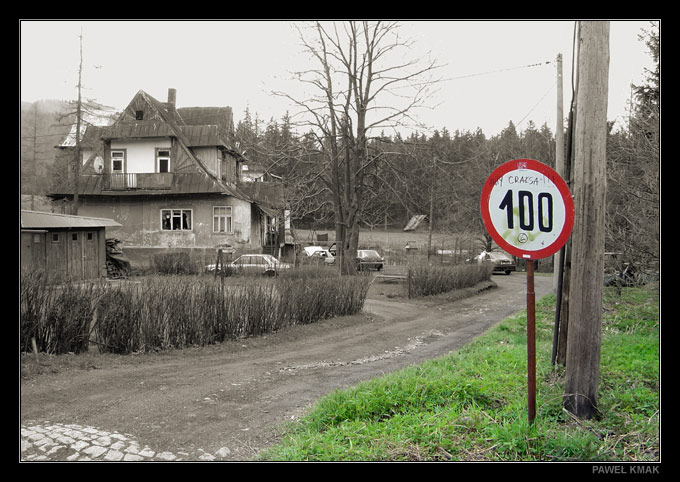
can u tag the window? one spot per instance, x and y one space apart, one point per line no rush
162 160
222 219
117 161
90 236
55 237
176 219
139 115
74 236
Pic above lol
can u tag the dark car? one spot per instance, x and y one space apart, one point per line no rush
368 259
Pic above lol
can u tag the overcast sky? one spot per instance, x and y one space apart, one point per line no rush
238 63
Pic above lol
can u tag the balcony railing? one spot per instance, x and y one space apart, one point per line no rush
118 181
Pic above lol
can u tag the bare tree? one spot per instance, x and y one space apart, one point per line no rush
361 83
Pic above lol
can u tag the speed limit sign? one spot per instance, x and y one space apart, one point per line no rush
527 209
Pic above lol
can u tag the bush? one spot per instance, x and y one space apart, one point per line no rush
178 311
175 263
424 280
58 316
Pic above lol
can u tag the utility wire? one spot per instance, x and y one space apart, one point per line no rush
537 104
499 70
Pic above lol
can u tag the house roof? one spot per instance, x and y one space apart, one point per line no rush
90 128
192 127
43 220
180 183
415 222
193 116
206 135
137 129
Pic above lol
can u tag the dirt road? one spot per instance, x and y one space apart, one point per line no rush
227 402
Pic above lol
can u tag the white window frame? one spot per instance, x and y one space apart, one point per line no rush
223 222
121 159
160 157
177 216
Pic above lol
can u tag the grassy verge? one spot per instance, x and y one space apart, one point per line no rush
471 404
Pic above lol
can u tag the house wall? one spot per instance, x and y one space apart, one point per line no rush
210 158
141 153
140 217
230 168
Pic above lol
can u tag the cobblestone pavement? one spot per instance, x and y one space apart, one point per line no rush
70 442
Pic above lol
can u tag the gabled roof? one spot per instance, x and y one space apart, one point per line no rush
43 220
165 121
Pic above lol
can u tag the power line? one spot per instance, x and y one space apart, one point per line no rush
537 104
499 70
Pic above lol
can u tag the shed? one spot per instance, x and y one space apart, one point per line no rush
64 246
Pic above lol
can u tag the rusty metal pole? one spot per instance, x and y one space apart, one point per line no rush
531 342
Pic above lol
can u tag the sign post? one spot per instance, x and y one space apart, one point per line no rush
528 211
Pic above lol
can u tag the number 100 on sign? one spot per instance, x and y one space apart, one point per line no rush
527 209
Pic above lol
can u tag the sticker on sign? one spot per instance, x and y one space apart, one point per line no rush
527 208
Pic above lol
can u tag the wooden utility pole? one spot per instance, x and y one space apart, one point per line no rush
558 258
429 231
79 113
559 155
589 189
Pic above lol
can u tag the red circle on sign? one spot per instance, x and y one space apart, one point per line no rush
565 194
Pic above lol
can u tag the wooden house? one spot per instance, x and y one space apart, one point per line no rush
170 177
64 246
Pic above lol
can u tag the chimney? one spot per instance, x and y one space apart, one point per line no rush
172 97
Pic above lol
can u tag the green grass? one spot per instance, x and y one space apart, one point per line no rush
471 404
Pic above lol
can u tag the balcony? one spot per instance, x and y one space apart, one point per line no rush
132 181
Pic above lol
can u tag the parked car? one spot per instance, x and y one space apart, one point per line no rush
368 259
317 255
264 264
312 250
501 261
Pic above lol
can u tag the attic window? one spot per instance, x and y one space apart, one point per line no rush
139 115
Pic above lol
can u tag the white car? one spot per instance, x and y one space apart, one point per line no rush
264 264
318 255
500 260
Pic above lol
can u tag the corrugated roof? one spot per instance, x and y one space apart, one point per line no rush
205 135
137 129
39 219
192 116
182 183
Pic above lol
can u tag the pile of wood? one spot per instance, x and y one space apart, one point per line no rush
117 264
